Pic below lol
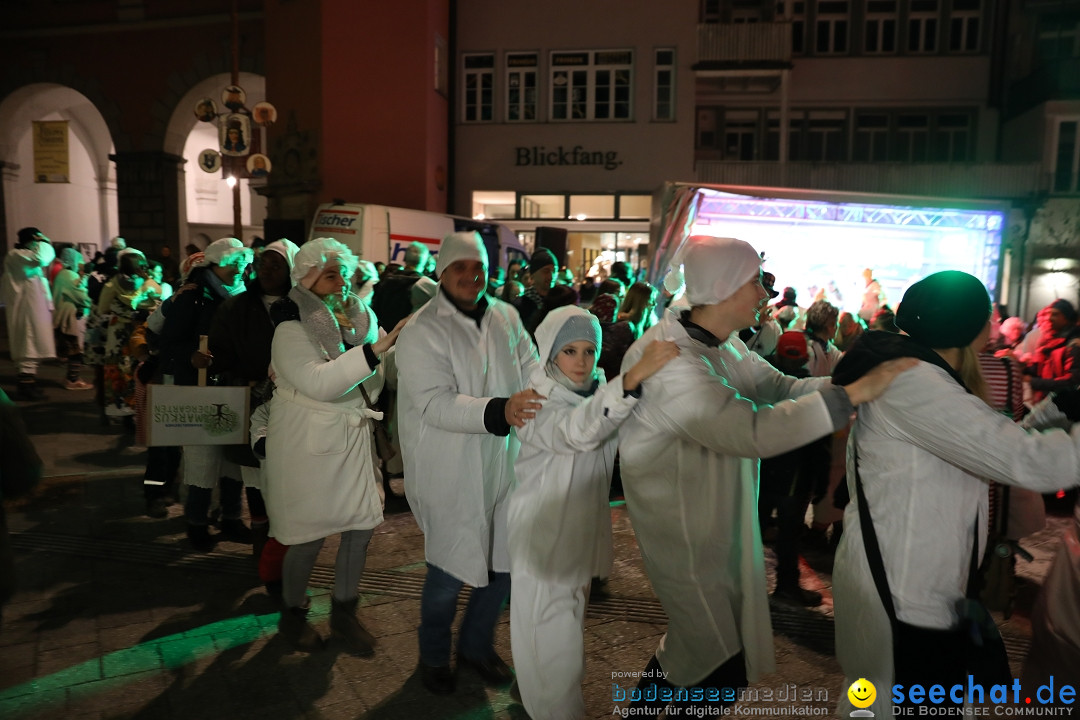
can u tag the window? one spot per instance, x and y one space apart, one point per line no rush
1065 158
826 140
664 85
591 85
635 207
591 207
964 25
542 206
521 87
710 11
740 134
880 35
1058 36
952 138
912 138
832 27
923 26
871 138
795 12
772 134
707 121
478 88
745 11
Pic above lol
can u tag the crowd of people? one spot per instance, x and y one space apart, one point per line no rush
514 398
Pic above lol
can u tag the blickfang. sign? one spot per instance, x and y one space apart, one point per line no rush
576 156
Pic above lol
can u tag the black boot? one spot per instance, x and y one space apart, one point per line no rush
28 389
200 538
345 625
260 533
297 631
235 530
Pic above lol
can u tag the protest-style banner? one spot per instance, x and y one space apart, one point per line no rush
190 415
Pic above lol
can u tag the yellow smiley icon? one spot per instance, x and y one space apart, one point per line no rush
862 693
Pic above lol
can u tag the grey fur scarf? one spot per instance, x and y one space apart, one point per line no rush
323 328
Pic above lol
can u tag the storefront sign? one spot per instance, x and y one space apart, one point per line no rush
51 151
542 156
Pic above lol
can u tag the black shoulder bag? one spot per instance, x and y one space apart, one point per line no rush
927 656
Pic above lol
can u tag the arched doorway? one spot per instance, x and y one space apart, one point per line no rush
82 211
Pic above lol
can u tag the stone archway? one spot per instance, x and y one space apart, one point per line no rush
205 201
82 211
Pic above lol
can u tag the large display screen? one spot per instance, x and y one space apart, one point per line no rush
815 244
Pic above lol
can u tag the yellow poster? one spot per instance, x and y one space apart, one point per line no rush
51 151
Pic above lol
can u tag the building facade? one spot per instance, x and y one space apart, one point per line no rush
559 119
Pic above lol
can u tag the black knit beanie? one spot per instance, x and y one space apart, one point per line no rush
945 310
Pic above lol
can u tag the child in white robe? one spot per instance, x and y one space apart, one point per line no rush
558 518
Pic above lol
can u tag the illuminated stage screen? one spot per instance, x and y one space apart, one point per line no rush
813 244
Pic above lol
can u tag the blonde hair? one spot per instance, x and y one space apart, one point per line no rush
971 373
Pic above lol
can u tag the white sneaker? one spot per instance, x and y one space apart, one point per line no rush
78 385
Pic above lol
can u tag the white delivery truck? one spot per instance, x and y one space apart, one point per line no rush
382 234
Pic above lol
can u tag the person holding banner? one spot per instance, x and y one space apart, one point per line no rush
319 441
217 276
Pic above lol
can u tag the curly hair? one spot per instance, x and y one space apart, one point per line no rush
821 315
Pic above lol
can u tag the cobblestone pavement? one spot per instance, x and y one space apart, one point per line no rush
116 617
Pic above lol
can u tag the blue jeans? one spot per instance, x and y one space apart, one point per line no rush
438 605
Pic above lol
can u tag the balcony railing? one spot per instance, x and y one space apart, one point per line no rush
735 44
959 180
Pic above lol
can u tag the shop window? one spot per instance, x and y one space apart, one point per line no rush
635 207
542 206
592 207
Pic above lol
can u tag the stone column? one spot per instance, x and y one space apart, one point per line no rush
149 186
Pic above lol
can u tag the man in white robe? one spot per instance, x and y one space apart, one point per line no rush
464 360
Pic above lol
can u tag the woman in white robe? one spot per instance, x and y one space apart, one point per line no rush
320 471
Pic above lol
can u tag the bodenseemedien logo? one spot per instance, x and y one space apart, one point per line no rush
861 695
